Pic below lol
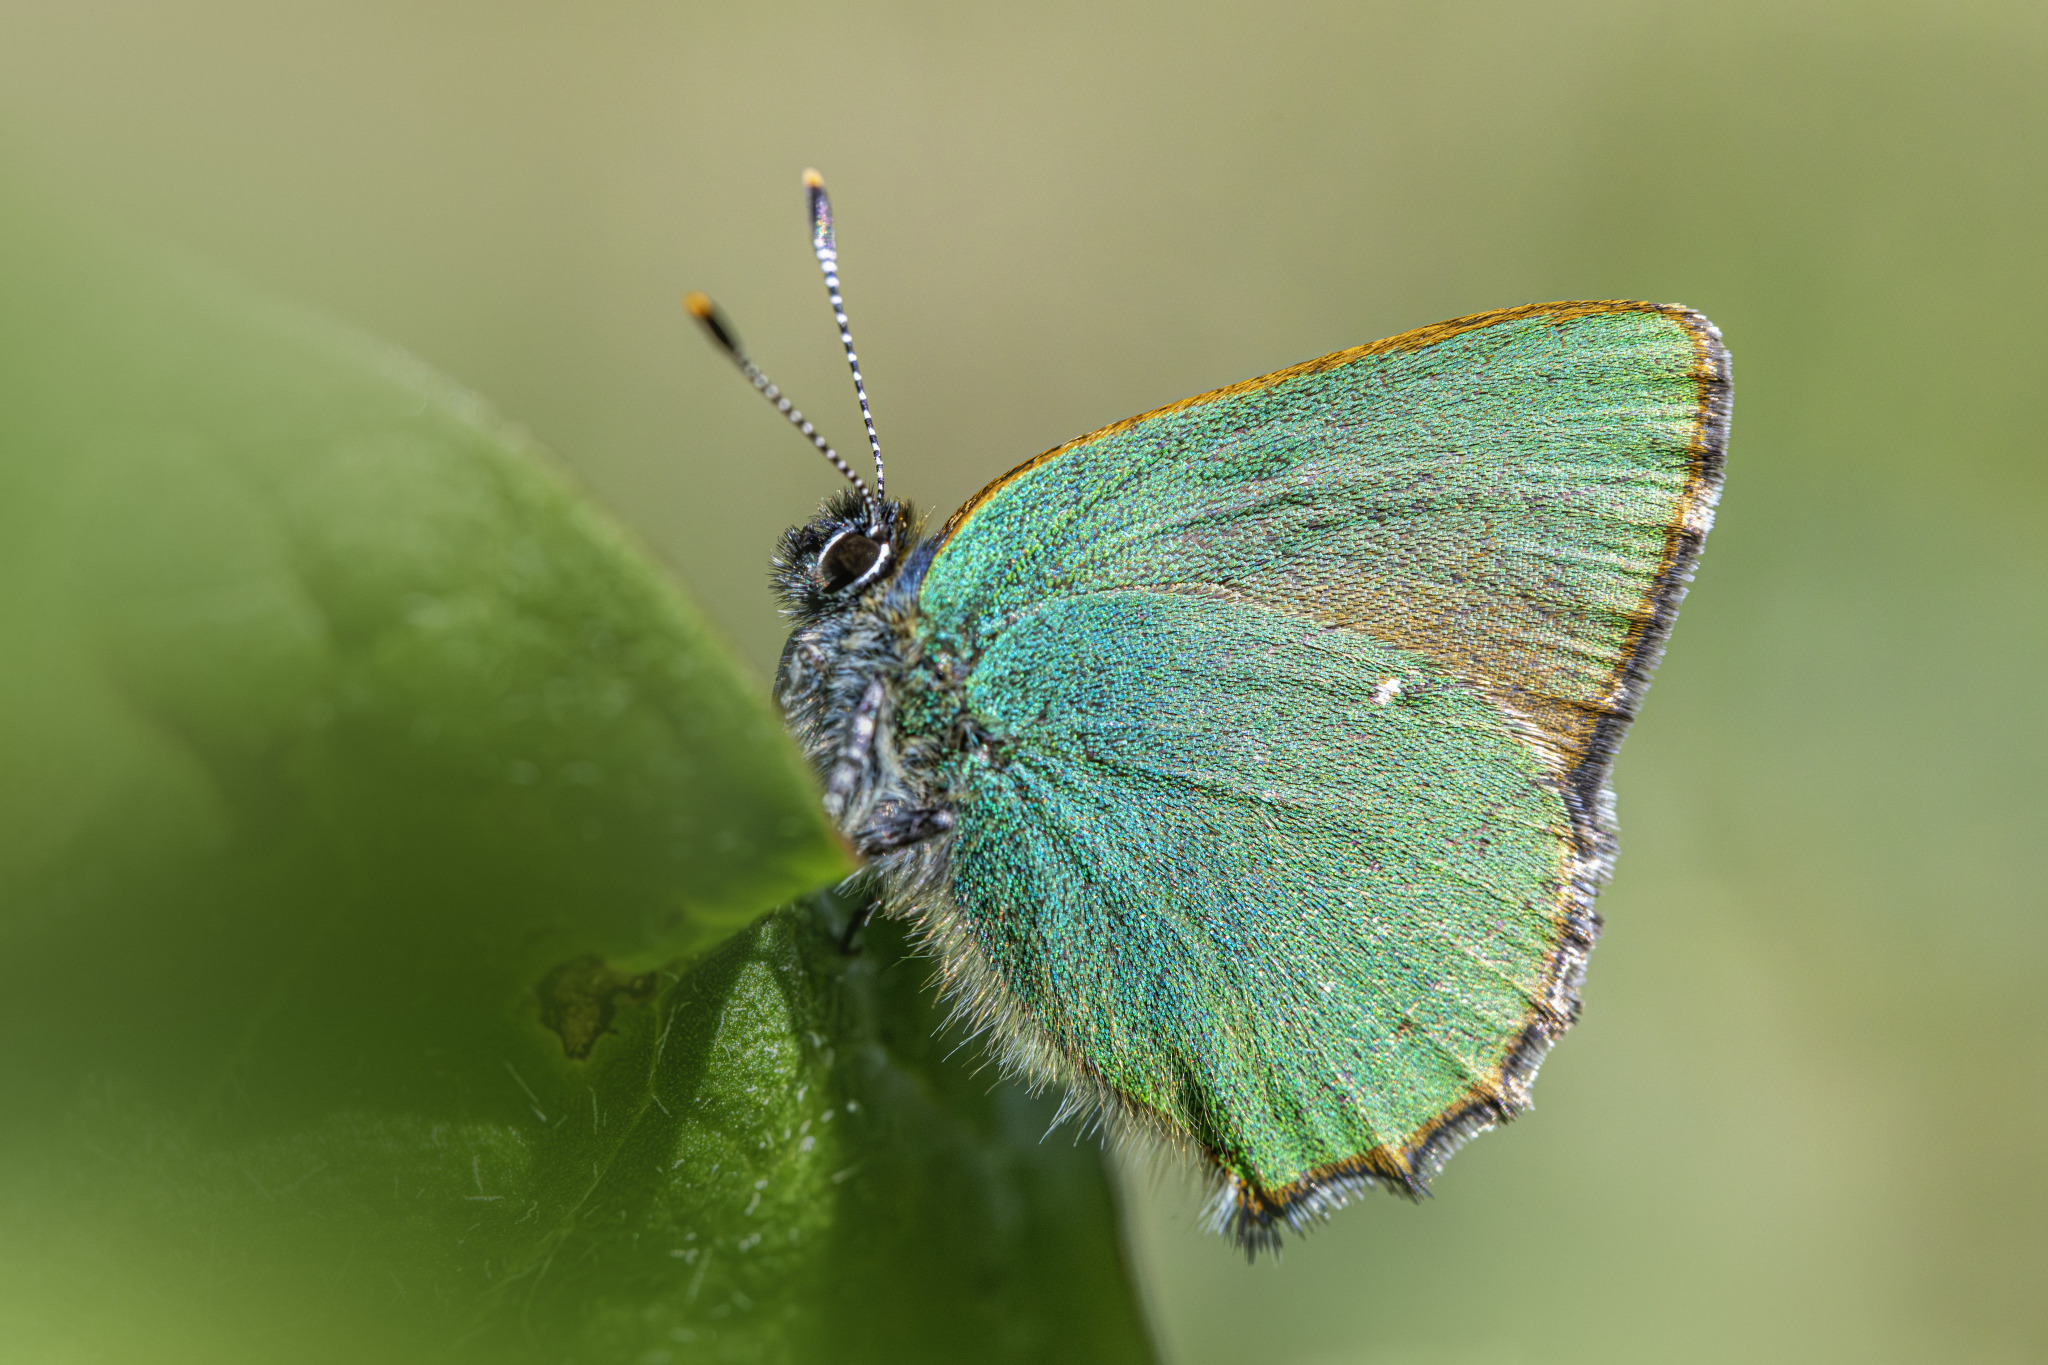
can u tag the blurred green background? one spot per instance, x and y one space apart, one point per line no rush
1803 1117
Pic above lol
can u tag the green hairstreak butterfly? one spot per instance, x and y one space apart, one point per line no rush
1245 763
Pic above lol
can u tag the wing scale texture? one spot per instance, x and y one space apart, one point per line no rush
1302 696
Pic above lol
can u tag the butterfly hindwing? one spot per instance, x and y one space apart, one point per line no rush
1300 698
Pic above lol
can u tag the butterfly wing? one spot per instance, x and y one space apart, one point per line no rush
1300 700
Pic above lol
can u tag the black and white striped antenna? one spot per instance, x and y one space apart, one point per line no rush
719 329
826 247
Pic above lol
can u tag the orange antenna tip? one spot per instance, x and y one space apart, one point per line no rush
715 326
722 336
813 181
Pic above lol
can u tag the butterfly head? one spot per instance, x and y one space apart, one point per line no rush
851 551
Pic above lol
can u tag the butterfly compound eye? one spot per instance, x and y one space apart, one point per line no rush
851 559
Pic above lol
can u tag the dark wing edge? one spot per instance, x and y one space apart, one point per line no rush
1254 1217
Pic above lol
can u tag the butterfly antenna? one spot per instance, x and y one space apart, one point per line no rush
719 329
826 246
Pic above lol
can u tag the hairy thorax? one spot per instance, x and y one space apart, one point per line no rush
880 713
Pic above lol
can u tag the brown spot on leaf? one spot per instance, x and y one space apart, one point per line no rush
579 998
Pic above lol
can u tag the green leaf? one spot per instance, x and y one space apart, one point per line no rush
382 849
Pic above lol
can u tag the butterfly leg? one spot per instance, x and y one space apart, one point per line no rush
846 775
857 922
895 827
892 824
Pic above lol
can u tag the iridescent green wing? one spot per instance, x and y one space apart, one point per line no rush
1302 696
